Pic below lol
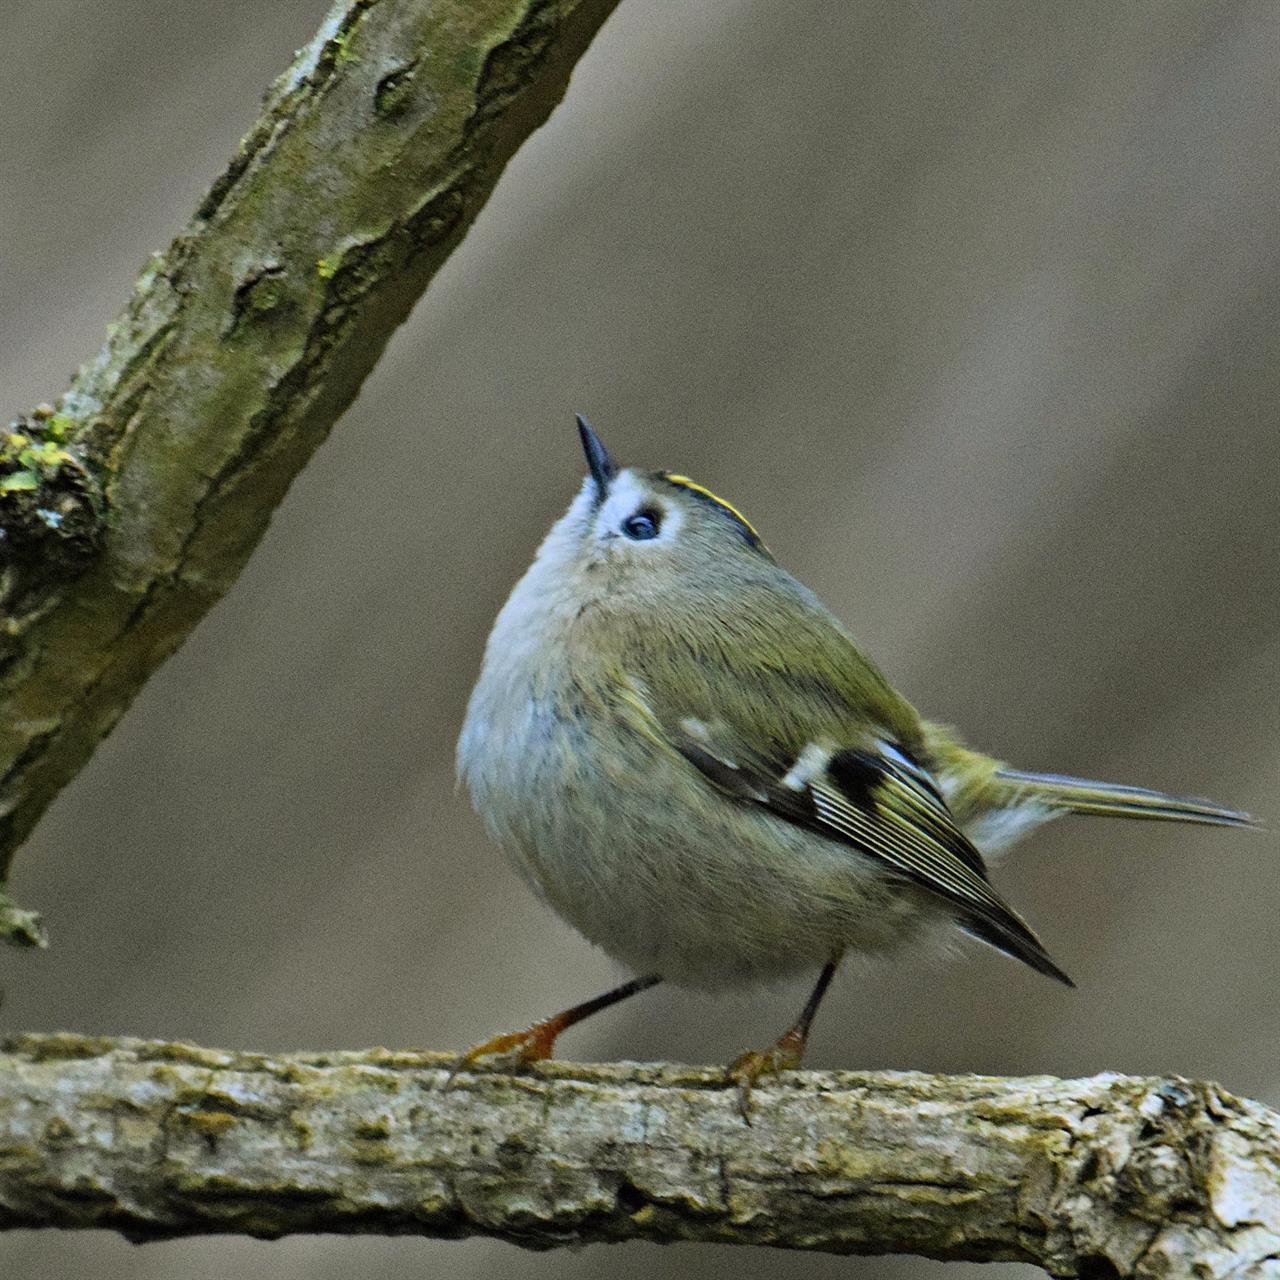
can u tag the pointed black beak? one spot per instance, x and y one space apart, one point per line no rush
602 467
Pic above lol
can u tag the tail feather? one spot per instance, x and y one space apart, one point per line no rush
1079 795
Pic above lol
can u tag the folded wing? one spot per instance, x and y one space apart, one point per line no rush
880 801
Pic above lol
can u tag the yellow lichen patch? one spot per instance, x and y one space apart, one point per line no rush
59 1046
374 1127
835 1158
32 450
208 1124
370 1145
303 1132
373 1153
182 1053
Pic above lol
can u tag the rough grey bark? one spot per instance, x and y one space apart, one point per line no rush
127 513
1107 1176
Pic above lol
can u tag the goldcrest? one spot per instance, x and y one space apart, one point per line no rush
684 752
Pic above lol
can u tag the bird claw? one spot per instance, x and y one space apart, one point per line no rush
750 1068
507 1053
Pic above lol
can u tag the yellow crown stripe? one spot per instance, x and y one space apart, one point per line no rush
685 483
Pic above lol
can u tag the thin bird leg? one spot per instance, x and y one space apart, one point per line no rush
788 1053
519 1048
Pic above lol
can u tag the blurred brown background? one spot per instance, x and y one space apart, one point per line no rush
973 309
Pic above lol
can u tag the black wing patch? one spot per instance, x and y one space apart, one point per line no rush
883 803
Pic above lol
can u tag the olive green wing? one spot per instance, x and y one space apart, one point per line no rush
879 800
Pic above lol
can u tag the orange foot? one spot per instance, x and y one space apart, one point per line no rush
511 1052
758 1064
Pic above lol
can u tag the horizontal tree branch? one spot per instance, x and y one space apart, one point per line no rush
126 514
1107 1176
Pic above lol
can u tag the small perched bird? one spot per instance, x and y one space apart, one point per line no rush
684 752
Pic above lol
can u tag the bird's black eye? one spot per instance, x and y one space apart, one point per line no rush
642 526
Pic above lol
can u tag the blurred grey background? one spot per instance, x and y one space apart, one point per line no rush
972 309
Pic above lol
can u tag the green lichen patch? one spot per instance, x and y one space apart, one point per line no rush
210 1125
34 449
58 1046
50 509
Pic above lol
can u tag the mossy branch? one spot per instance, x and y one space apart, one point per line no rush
129 511
1108 1176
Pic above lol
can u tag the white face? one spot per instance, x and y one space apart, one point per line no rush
633 514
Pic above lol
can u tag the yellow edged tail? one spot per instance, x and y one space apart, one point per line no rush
1079 795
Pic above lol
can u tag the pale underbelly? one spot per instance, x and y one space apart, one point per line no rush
708 894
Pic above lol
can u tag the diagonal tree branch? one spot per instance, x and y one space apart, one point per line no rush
126 514
1108 1176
